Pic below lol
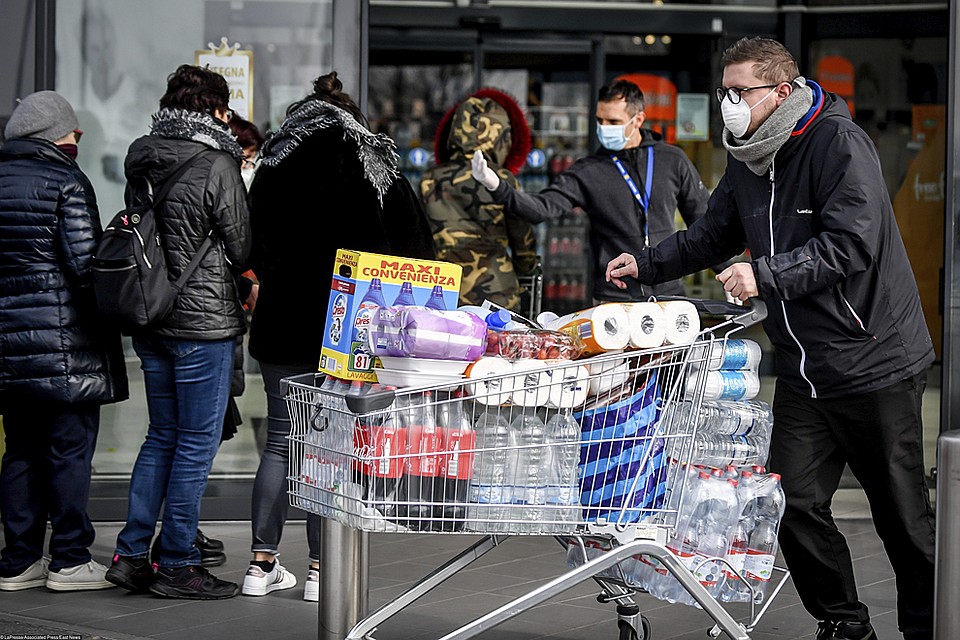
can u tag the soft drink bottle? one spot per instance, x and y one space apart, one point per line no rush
372 299
488 496
530 478
422 468
458 439
435 301
405 297
387 443
563 492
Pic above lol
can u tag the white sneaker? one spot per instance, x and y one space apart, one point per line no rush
33 576
258 582
84 577
311 588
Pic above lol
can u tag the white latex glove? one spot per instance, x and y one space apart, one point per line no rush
482 173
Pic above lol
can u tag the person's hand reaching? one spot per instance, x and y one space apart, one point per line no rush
482 173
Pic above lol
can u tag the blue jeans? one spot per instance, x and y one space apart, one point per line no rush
46 474
270 499
188 385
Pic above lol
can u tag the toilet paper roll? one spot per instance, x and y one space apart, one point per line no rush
605 376
603 328
531 383
569 385
647 324
490 381
681 320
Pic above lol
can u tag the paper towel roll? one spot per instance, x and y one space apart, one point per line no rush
681 320
603 328
647 325
569 385
605 376
531 383
490 380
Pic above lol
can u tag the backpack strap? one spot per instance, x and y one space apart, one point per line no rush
208 241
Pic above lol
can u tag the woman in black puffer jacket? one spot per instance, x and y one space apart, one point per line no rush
187 360
58 363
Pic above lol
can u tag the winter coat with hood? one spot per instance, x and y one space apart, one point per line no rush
616 225
469 228
53 346
209 198
844 310
324 183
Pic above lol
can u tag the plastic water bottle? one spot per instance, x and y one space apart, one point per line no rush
720 451
683 545
488 495
761 554
734 590
770 501
458 439
405 297
717 509
422 467
563 492
726 385
530 477
436 299
372 299
734 354
747 418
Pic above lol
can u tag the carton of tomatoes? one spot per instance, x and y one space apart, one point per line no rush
537 344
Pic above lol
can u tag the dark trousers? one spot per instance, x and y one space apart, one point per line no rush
879 435
46 474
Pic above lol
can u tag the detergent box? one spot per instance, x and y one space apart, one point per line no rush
363 281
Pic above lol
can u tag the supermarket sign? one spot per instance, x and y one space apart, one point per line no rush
237 67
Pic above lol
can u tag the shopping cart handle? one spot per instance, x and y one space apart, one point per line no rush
742 316
370 402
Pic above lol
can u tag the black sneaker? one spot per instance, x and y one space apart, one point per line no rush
845 630
211 551
192 583
133 574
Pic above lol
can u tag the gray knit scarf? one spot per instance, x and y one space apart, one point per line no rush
376 151
758 151
181 124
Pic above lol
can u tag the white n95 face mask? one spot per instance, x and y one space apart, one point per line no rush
736 117
613 136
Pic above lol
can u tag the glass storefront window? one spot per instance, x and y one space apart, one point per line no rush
113 59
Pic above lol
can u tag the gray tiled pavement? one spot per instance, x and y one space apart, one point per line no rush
396 561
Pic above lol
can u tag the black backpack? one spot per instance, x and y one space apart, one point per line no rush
130 277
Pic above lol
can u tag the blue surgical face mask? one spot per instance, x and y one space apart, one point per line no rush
613 136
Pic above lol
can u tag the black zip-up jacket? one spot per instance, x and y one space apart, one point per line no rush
844 310
616 225
53 345
210 196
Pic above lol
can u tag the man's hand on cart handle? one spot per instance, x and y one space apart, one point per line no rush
623 265
739 281
482 173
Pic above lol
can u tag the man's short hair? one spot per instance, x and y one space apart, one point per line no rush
771 60
623 89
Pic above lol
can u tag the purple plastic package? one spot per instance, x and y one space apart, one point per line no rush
428 333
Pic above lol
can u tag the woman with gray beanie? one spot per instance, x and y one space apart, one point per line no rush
58 363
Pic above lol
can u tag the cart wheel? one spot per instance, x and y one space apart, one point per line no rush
714 632
627 632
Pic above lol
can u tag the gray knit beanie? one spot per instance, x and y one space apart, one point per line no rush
45 114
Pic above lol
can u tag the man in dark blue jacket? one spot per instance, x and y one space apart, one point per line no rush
804 192
58 362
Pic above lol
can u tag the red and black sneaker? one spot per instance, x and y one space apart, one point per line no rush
132 574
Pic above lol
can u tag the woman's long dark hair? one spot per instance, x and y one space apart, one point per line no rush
329 89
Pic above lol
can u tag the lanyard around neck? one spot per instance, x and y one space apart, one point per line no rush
642 198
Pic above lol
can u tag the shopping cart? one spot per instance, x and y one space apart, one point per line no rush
377 462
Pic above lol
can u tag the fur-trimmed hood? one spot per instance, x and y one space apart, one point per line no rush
489 120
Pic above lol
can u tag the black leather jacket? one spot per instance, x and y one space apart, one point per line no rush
53 347
209 197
